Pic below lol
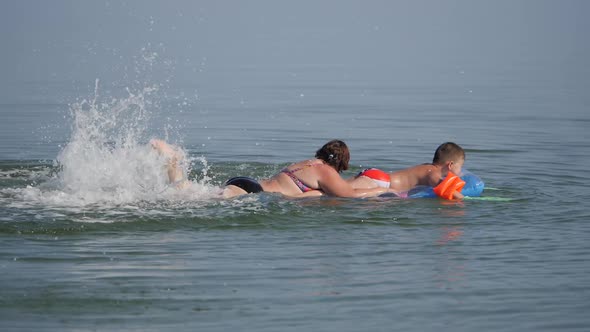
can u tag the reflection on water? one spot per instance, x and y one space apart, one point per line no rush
449 235
97 233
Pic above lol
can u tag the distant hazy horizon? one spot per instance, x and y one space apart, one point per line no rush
69 41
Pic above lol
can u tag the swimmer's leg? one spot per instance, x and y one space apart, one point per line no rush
233 191
174 158
241 185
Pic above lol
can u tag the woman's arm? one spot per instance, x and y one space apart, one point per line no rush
332 184
311 193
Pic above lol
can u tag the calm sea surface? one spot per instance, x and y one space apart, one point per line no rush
92 239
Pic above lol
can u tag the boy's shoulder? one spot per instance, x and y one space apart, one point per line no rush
429 172
426 167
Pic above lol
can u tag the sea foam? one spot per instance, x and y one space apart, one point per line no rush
109 162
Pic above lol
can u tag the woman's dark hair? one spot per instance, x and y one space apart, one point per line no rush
335 153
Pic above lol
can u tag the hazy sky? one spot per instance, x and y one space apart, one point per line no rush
62 40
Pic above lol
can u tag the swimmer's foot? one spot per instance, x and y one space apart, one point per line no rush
174 156
165 149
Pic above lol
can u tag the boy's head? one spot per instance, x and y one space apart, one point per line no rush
451 155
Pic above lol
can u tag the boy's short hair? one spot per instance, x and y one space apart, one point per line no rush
448 151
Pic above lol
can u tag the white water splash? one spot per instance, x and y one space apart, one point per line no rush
108 161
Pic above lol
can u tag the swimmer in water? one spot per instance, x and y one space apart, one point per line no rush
314 177
447 162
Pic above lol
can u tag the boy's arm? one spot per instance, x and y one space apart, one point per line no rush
457 195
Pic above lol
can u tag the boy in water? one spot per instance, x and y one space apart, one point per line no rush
448 157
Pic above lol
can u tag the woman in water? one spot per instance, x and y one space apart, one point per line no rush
313 177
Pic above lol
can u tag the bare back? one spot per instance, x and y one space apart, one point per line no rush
306 172
419 175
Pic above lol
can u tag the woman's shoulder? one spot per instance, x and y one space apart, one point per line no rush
305 163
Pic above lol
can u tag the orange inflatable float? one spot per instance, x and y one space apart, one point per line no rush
451 184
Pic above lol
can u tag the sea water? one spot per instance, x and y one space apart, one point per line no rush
93 237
